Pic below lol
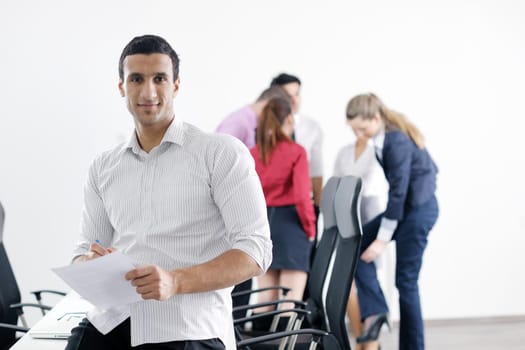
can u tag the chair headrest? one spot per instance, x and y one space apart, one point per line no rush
327 202
347 200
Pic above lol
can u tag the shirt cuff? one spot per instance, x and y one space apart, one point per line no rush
386 230
261 252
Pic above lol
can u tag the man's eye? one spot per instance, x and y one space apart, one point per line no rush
160 79
135 79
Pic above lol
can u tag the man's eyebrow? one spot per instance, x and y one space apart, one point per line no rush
156 74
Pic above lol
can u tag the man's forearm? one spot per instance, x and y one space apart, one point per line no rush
228 269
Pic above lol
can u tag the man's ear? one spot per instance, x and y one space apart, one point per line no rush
121 88
176 86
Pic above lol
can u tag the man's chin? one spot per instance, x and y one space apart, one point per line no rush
152 119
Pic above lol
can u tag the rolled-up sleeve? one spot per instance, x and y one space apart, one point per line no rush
238 194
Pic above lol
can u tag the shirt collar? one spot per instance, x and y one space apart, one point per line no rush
174 134
297 118
379 140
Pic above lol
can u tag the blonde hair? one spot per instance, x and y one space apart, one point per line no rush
269 128
369 105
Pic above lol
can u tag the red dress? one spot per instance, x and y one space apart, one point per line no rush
286 185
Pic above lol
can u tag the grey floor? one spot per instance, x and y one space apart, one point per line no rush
506 333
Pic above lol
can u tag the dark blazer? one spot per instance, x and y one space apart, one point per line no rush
410 171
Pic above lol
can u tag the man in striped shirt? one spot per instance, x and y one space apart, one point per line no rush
186 206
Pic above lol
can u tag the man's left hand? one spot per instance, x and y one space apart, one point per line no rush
152 282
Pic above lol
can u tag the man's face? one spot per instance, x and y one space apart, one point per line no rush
294 91
149 88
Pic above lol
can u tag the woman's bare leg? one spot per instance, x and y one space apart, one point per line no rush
296 280
269 279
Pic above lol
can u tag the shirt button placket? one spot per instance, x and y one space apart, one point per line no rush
148 190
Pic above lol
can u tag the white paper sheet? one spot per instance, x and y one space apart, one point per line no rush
101 281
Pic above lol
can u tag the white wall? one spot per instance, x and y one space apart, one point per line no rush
454 67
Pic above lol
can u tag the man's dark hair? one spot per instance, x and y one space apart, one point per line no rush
283 79
147 45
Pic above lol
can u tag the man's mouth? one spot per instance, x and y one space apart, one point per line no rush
148 105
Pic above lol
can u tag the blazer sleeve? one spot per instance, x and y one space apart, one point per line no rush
397 157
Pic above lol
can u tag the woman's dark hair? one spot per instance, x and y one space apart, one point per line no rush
269 131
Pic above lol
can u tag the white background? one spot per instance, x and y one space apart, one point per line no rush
455 68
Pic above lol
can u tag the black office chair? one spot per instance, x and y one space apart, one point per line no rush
332 335
312 308
11 309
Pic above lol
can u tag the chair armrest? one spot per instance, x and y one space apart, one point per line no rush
251 291
13 327
22 305
270 313
38 293
316 333
19 308
297 303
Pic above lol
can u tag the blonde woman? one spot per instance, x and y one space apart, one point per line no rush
411 212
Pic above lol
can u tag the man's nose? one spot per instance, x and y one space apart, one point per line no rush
148 90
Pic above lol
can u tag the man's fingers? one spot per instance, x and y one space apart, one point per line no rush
155 295
132 275
140 273
145 289
98 249
151 282
144 281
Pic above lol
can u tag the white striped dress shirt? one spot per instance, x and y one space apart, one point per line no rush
192 198
308 134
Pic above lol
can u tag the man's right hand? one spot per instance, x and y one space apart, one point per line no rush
95 251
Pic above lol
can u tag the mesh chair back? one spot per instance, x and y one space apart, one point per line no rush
9 292
344 262
323 254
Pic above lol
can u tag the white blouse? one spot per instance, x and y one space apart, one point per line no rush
375 186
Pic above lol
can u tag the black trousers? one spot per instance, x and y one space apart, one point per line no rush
86 336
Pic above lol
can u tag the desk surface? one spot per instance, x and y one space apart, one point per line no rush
70 302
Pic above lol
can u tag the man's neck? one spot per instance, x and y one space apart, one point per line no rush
150 136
